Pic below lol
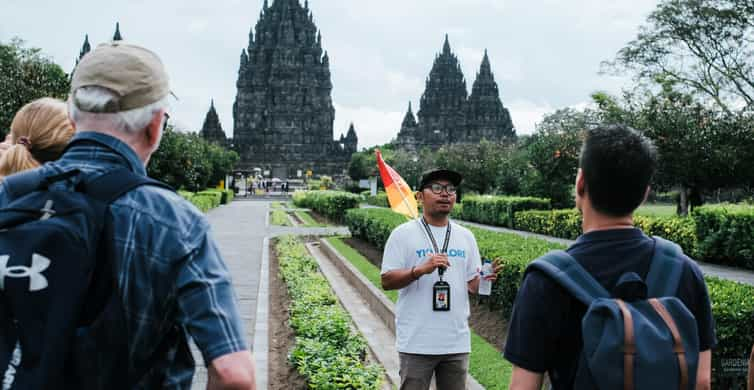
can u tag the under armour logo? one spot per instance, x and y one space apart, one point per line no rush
37 281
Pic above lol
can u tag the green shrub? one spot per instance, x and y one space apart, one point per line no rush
379 200
499 210
556 223
567 224
733 310
457 212
331 204
677 229
280 218
373 225
327 352
726 234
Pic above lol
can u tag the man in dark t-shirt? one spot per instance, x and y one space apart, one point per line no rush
616 166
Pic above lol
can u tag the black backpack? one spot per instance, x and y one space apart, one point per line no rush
62 322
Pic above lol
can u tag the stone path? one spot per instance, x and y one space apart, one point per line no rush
240 229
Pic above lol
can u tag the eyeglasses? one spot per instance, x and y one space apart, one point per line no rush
437 188
165 122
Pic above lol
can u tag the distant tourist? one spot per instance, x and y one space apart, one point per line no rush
39 133
170 275
614 270
435 263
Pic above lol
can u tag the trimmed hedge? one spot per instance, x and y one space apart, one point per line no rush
732 303
556 223
379 200
331 204
499 210
204 201
327 352
733 310
567 224
726 234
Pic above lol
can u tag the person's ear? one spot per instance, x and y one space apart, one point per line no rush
580 185
153 131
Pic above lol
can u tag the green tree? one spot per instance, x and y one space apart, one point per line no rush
26 74
703 46
700 149
553 152
487 167
187 161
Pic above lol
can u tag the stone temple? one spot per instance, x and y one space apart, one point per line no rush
448 115
283 114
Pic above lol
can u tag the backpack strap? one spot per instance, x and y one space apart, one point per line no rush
570 275
112 185
666 268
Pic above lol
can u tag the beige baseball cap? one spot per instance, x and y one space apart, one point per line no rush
134 73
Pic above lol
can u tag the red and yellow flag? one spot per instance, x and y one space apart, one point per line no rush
399 194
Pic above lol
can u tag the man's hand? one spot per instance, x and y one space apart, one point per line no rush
496 267
429 266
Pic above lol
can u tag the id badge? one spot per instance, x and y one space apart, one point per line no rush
441 296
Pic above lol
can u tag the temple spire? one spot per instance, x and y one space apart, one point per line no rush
446 46
117 36
85 48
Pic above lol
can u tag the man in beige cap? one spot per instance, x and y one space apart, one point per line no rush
171 279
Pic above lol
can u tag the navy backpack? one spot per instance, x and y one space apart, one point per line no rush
641 338
62 323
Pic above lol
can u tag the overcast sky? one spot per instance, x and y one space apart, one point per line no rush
545 54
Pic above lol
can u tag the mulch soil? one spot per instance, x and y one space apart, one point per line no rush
296 219
281 374
485 322
320 218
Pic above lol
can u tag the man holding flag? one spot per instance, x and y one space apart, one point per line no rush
434 263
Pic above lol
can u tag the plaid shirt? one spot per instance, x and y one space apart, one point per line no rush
170 271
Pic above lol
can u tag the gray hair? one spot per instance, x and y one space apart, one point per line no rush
93 102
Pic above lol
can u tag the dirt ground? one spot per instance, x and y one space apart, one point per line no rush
296 219
282 375
319 218
485 322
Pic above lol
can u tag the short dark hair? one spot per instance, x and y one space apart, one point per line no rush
618 164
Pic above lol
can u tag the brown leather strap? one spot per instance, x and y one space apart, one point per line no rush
680 352
629 346
751 369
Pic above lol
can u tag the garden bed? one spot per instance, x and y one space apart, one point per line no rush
282 375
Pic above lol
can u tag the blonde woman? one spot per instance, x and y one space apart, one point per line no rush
39 133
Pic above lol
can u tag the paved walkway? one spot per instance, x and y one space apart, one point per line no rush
239 229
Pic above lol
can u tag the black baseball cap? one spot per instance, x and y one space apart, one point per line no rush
440 174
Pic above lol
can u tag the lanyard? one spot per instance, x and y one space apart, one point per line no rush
432 237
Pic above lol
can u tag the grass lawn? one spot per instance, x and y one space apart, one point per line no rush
656 210
280 218
486 364
307 219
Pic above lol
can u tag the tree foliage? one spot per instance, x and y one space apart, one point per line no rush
553 151
25 75
703 46
700 149
187 161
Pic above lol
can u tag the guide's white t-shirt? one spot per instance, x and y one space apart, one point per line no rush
419 329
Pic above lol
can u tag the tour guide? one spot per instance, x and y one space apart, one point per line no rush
433 262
